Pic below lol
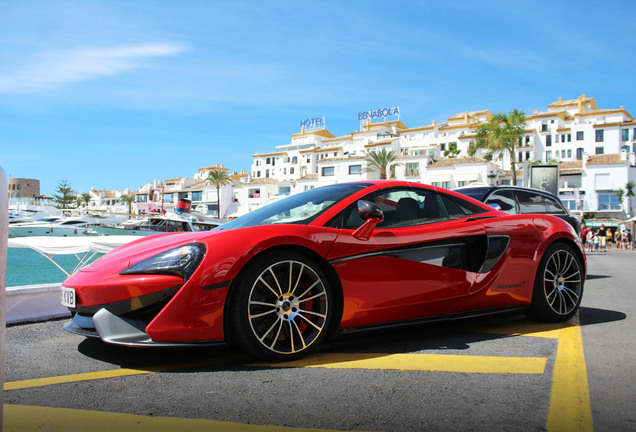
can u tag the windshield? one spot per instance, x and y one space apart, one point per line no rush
298 209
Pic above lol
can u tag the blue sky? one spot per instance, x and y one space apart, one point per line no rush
113 94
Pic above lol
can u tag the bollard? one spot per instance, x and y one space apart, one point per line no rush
4 235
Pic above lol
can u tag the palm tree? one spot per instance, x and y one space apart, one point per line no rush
629 193
218 178
500 135
382 161
620 194
127 199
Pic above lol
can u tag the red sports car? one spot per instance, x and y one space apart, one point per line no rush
339 258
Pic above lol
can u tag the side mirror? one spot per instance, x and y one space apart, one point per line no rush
495 205
372 214
369 209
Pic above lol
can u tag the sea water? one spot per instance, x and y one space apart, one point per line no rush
28 267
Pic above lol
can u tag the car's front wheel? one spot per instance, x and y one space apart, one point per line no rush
281 307
558 286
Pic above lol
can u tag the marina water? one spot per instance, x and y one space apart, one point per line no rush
28 267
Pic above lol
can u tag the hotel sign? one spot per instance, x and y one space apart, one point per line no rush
384 112
313 124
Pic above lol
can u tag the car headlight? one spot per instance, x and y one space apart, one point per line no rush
181 261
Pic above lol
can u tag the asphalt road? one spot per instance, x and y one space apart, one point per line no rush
480 375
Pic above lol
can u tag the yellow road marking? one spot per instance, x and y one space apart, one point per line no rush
39 382
524 328
570 408
420 362
32 418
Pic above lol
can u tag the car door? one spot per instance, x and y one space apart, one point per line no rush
419 260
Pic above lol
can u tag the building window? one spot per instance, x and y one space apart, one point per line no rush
254 193
579 153
600 150
625 134
608 201
197 196
355 169
412 169
599 135
267 161
548 156
544 126
562 154
569 137
284 190
580 136
328 171
295 159
548 140
267 173
291 170
569 154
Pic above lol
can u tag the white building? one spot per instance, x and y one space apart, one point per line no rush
593 147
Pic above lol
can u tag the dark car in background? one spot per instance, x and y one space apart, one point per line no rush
521 200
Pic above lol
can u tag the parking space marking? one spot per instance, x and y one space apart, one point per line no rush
112 373
420 362
570 407
34 418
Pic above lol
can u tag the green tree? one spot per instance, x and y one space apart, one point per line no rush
64 198
382 161
218 178
128 200
629 193
85 198
620 194
500 135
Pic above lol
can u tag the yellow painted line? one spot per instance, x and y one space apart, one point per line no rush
522 328
63 379
22 418
570 408
420 362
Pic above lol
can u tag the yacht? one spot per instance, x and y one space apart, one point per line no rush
53 226
172 222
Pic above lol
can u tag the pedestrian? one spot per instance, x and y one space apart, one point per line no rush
596 241
602 237
617 239
584 230
628 239
589 240
610 238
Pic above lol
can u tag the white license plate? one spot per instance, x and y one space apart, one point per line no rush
68 297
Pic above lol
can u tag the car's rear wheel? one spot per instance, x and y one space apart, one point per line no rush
281 307
558 286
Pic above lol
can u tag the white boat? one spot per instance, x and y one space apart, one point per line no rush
53 226
171 222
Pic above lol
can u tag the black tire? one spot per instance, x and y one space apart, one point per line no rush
281 307
558 286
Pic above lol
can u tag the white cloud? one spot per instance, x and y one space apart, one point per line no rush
47 71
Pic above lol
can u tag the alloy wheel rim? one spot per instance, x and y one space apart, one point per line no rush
562 282
287 307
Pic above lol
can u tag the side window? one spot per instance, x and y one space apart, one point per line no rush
401 207
457 208
553 206
530 202
505 199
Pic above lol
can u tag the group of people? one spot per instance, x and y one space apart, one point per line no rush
601 239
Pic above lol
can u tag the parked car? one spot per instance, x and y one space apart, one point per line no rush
521 200
341 258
